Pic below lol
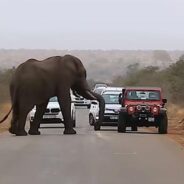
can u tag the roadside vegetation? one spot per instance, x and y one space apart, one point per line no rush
5 77
171 79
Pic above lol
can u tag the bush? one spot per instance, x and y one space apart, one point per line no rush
5 77
171 79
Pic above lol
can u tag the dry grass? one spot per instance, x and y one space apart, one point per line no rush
176 123
176 116
4 108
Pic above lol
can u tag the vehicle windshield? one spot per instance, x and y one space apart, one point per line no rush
142 95
100 85
53 99
99 90
111 98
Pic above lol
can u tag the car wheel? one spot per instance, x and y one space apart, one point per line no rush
121 123
91 120
163 124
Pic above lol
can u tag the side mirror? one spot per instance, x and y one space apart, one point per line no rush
120 98
164 100
94 103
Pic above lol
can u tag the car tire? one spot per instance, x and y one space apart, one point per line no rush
91 120
121 123
134 128
163 124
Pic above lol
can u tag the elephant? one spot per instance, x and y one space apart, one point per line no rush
35 82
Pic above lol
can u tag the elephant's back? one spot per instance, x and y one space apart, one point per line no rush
32 67
34 74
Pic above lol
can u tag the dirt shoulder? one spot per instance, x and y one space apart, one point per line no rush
176 123
4 108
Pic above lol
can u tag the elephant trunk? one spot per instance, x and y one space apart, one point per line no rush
94 96
101 101
84 90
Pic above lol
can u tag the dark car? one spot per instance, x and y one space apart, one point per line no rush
142 106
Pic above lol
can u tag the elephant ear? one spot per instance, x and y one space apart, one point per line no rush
70 66
74 65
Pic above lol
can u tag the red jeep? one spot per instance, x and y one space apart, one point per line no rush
142 106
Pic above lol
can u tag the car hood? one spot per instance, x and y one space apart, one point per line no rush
53 105
143 103
112 107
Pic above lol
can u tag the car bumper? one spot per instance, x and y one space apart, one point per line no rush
82 104
142 121
112 118
50 118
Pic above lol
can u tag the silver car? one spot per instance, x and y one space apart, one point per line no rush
112 107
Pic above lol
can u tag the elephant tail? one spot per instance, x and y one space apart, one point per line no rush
1 121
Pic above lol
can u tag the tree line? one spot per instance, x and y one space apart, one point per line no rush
171 79
5 77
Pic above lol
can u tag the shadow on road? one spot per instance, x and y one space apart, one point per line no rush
138 132
127 131
46 127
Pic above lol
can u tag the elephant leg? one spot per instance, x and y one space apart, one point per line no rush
24 109
65 104
13 125
34 126
21 124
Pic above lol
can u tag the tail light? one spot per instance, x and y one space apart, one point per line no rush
131 109
155 109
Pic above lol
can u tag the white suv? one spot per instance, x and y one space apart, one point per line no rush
53 113
112 106
81 101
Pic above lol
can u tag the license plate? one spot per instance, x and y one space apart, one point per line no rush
48 116
113 117
143 115
151 119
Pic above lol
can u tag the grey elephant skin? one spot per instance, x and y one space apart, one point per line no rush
35 82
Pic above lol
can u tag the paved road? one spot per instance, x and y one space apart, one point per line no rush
103 157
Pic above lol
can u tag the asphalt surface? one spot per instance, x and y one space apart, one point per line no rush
104 157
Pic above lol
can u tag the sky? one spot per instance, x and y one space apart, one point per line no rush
92 24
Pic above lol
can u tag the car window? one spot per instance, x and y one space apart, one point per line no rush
53 99
142 95
111 98
100 85
99 90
